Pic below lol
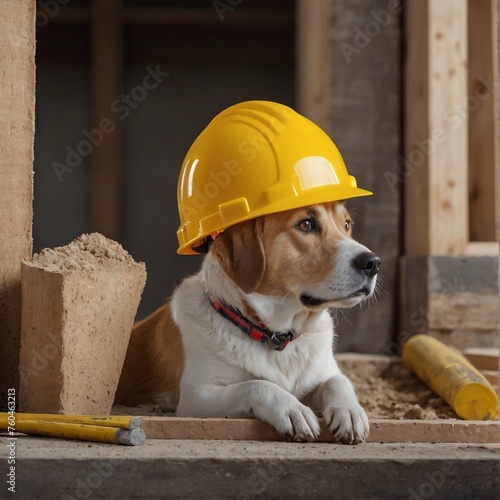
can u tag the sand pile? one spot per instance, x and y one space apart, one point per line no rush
88 252
388 389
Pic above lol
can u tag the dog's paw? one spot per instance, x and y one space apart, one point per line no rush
348 422
297 421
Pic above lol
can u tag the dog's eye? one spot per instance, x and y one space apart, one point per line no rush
306 225
347 225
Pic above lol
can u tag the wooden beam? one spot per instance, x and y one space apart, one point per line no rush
416 117
17 88
483 358
482 248
187 16
313 98
208 16
482 103
436 153
381 431
106 157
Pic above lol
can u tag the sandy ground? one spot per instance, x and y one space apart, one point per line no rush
387 389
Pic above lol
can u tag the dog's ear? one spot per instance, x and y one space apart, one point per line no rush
240 252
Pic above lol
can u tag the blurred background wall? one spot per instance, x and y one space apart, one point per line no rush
215 54
210 66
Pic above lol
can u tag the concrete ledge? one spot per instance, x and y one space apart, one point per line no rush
49 469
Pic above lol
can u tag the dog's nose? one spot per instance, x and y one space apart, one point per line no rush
368 262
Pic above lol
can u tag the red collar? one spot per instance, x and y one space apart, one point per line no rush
257 332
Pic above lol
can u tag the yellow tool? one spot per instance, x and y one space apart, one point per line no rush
452 377
114 421
117 430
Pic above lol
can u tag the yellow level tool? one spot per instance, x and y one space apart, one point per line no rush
114 421
117 430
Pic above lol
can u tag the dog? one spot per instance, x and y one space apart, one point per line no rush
250 335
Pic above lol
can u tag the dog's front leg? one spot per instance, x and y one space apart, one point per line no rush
259 398
342 412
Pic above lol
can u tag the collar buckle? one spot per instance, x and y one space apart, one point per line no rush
281 339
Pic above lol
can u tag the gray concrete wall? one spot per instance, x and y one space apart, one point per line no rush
366 44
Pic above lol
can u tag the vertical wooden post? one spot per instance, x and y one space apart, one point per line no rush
497 19
17 91
106 158
483 123
313 24
436 138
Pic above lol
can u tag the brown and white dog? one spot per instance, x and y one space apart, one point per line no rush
201 353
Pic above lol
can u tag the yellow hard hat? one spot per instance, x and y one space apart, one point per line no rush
256 158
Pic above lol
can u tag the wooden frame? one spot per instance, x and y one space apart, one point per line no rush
483 123
106 157
312 49
451 169
436 148
188 15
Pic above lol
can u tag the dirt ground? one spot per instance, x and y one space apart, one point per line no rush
387 389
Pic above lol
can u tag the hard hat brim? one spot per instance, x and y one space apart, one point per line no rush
323 194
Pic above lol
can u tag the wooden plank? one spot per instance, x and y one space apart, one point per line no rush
482 248
449 163
498 140
482 105
415 165
313 24
17 88
483 358
209 16
382 431
457 310
186 16
106 157
460 339
436 136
